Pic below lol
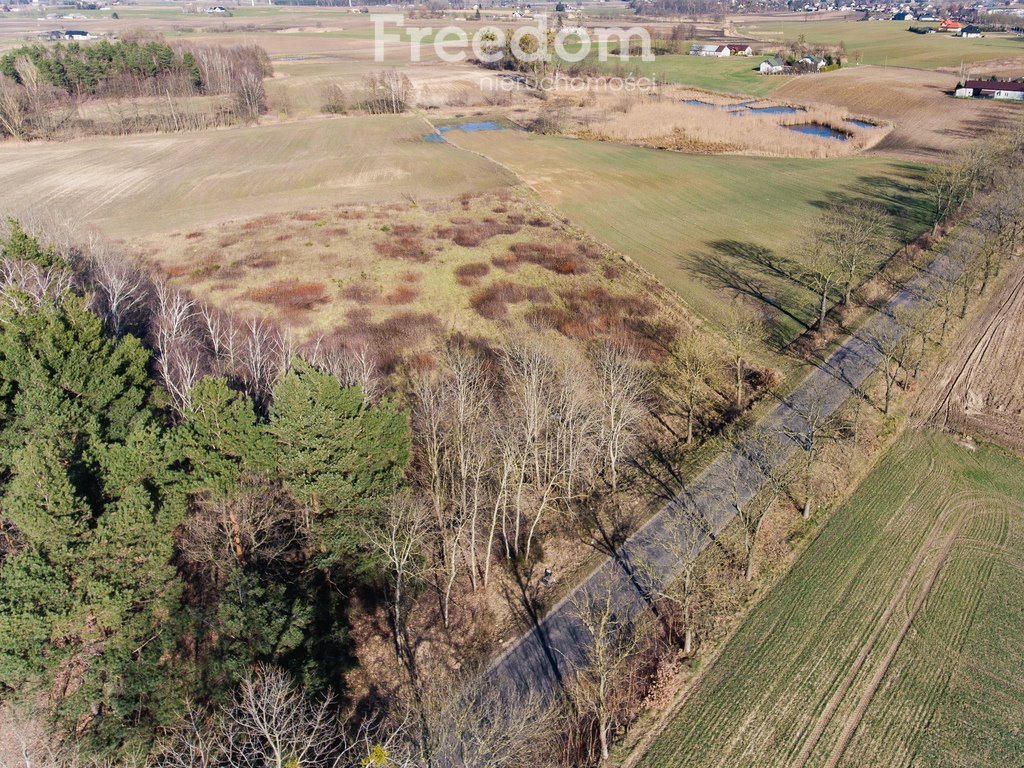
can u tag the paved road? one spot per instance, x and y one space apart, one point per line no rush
541 658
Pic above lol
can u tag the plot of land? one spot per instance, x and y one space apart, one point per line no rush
890 42
735 74
397 275
706 226
141 185
928 122
978 390
891 642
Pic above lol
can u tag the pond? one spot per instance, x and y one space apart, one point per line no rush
473 127
822 131
469 127
860 123
699 103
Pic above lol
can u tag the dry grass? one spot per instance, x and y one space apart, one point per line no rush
348 272
674 125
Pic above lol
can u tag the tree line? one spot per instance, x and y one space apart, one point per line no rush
42 86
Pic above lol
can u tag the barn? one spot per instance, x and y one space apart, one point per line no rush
991 89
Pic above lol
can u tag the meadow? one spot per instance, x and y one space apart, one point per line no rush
400 273
139 185
736 75
889 43
706 225
893 639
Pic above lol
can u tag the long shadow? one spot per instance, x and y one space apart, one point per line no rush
904 196
758 273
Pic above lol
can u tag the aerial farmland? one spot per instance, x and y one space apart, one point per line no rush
550 385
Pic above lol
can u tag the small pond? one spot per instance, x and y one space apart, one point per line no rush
860 123
822 131
469 127
698 103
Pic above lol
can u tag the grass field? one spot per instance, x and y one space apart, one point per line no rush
737 75
893 641
706 225
890 43
140 185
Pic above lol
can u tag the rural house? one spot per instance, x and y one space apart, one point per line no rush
812 61
991 89
772 66
948 25
709 50
739 49
970 31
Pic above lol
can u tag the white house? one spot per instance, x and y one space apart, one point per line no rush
772 66
991 89
709 50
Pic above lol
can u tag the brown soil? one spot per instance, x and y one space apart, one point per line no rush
978 389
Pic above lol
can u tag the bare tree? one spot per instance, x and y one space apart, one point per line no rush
695 365
823 272
892 342
669 573
756 477
121 290
624 386
276 726
610 641
744 332
815 425
398 540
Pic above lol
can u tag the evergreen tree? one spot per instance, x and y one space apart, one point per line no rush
339 455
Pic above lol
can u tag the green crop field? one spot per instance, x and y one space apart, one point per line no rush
890 42
706 225
734 74
895 640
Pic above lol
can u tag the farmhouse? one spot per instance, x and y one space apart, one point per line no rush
739 49
812 61
772 66
991 89
709 50
970 31
948 25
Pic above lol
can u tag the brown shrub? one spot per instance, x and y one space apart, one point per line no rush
410 277
516 219
475 234
403 294
563 258
492 302
361 293
469 275
351 214
262 262
404 247
305 217
260 222
289 295
336 231
590 312
226 241
177 270
499 209
194 235
508 262
537 221
611 271
406 230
